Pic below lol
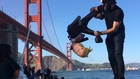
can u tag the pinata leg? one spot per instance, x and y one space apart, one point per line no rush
73 28
85 29
76 20
84 22
80 26
74 32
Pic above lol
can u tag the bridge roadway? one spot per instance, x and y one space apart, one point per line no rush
33 38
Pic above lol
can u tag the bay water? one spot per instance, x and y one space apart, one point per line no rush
95 74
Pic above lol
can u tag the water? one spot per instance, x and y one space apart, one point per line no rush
95 74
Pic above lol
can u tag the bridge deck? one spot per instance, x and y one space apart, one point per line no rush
33 38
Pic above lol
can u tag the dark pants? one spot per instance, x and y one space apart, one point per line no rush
85 21
115 55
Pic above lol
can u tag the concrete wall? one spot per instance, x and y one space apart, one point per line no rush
9 35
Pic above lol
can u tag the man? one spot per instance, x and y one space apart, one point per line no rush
113 16
9 68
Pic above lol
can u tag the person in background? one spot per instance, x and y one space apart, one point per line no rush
38 74
9 69
41 73
48 73
113 16
27 72
45 74
33 72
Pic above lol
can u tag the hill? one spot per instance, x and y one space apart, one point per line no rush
56 64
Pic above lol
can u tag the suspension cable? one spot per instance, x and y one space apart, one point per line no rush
46 30
1 8
15 11
53 24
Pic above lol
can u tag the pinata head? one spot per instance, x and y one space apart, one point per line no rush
80 50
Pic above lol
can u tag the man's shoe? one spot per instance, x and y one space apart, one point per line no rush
84 39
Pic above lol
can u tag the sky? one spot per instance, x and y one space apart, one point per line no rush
61 13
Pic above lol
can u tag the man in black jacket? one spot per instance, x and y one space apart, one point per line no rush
113 16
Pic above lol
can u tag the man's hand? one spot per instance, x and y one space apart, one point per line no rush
97 33
98 38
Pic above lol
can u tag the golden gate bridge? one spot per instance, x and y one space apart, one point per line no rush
35 40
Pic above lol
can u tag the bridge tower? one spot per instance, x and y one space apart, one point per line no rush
69 55
38 46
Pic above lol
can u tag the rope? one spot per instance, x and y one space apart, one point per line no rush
53 24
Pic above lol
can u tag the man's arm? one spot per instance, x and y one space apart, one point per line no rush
108 31
99 15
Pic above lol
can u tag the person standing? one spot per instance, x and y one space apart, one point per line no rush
27 72
45 74
48 73
33 72
113 16
9 69
41 73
